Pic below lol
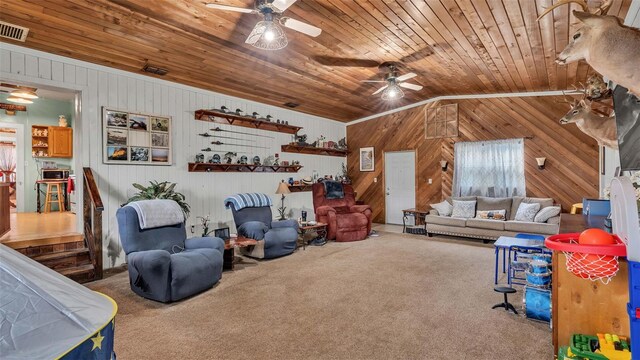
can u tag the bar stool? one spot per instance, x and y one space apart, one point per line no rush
57 193
576 208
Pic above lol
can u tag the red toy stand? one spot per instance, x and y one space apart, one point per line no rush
593 262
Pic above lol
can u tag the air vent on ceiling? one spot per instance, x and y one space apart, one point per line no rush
291 105
13 32
155 70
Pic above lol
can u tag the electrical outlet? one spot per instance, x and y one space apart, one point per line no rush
430 181
192 228
375 179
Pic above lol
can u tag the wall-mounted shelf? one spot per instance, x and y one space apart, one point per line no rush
208 167
299 188
313 150
230 119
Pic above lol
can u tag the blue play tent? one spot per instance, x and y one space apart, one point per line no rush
44 315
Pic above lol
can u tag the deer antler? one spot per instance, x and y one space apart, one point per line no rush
567 100
604 8
582 3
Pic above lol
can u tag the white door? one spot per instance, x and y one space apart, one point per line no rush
400 184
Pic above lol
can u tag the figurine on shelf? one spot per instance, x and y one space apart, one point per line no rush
238 112
342 144
286 122
243 160
276 162
45 132
291 181
301 140
199 158
278 121
215 159
256 160
330 144
228 157
285 163
269 117
268 161
255 115
207 149
224 109
62 121
296 163
320 142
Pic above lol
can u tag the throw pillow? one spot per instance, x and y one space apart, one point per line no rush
443 208
463 209
546 213
492 214
527 212
489 203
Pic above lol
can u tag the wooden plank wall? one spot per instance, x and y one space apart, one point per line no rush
572 157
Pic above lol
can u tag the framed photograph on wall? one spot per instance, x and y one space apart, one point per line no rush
135 138
367 160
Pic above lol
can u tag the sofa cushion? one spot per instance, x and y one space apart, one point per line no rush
547 213
462 198
463 209
488 203
443 208
491 214
527 212
445 220
544 202
486 224
531 227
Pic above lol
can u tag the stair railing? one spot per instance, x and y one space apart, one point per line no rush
92 215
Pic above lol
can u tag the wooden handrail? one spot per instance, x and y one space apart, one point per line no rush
92 215
94 193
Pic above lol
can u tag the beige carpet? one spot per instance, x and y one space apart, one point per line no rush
391 297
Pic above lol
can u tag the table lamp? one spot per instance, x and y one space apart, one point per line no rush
283 188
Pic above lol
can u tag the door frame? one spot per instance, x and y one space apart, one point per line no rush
20 156
80 157
384 177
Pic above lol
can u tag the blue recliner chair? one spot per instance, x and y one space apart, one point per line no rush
255 221
163 264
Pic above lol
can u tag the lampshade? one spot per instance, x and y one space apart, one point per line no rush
283 188
267 35
24 93
19 100
392 92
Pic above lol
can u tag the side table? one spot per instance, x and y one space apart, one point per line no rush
229 250
419 216
319 228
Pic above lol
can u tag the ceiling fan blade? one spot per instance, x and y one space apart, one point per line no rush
379 90
304 28
406 76
373 81
415 87
338 61
230 8
282 5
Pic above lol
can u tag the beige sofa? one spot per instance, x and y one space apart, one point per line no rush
492 229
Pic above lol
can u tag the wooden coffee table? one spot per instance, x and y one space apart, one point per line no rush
229 250
319 228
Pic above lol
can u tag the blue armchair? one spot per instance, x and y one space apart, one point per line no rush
163 264
275 238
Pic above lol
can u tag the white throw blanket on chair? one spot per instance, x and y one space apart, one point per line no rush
157 213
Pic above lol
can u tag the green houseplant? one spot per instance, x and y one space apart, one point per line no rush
160 190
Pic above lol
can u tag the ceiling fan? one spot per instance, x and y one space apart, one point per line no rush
267 33
394 82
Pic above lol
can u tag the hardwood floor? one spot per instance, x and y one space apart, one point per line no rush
33 229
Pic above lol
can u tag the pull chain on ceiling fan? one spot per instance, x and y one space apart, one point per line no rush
267 34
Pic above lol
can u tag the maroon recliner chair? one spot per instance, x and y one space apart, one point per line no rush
345 220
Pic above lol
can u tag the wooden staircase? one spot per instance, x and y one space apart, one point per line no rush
77 256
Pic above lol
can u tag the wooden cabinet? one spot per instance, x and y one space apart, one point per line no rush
51 141
5 209
60 142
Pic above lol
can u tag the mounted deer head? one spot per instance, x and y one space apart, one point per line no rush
601 128
611 48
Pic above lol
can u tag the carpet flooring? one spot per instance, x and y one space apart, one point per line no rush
389 297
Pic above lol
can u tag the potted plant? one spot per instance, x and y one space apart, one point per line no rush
160 190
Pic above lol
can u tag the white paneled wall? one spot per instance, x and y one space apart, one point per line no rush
101 86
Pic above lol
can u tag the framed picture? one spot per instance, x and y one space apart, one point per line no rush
135 138
367 161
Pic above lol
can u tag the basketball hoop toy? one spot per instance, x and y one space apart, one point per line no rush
593 262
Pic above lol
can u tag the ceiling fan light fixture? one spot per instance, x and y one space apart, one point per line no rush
19 100
392 92
267 35
24 93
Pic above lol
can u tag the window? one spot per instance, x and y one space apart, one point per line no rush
489 168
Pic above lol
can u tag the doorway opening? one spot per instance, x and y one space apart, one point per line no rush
37 160
400 184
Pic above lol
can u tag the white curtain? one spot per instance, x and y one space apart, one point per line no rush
7 161
489 168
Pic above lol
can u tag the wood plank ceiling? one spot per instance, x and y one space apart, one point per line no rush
456 46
